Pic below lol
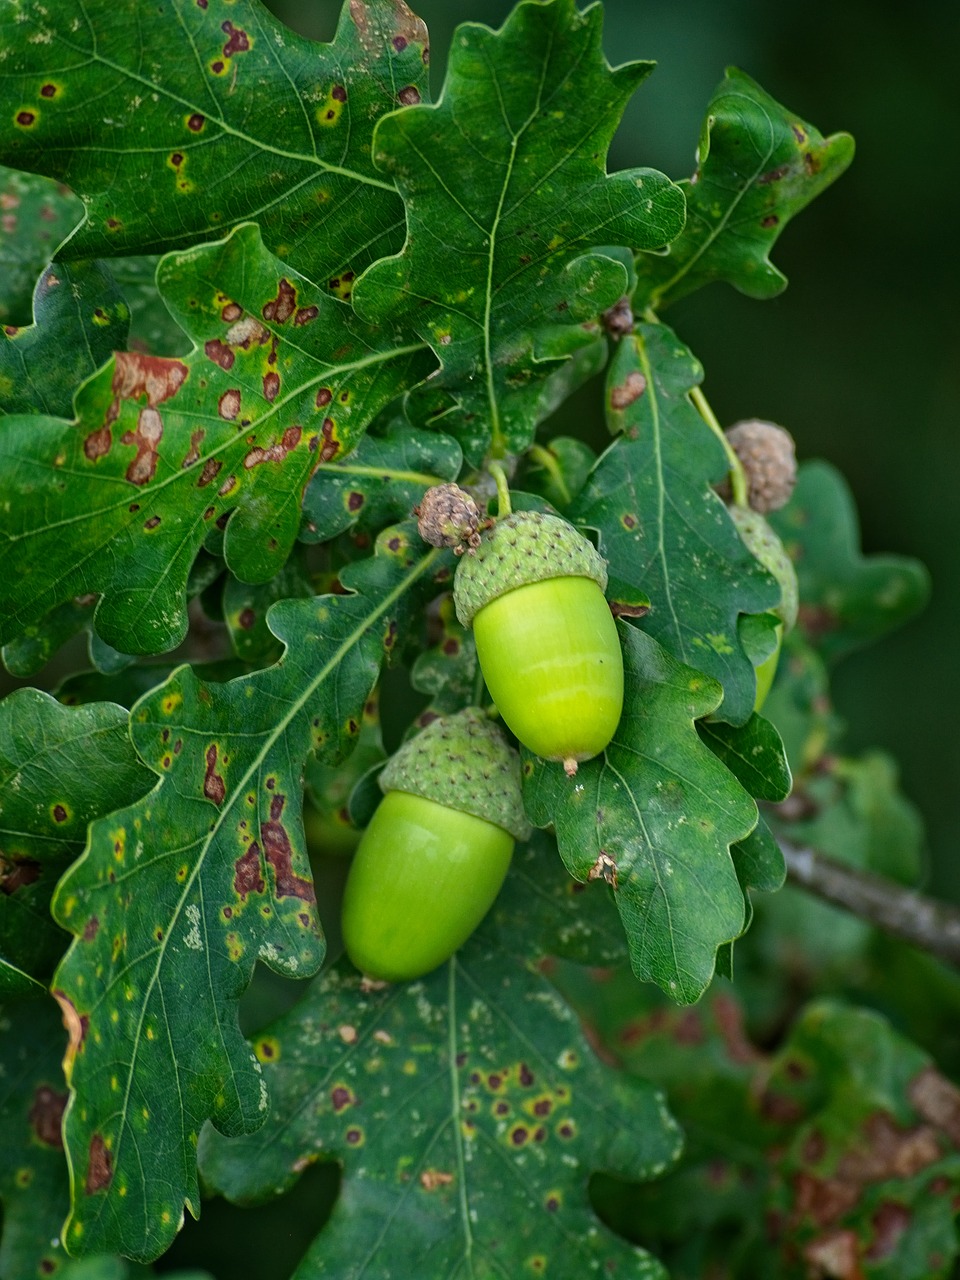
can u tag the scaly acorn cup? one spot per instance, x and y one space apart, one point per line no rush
434 856
761 540
546 639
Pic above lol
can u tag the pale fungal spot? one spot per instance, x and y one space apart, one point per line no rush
192 938
347 1034
263 1095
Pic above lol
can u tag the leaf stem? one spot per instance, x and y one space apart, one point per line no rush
504 507
548 461
738 480
926 923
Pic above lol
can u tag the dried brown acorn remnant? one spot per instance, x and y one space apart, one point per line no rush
768 457
448 517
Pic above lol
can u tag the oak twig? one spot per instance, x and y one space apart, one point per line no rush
931 925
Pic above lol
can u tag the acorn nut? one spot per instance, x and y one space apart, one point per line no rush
433 858
546 639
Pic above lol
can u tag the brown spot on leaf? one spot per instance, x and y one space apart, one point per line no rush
341 1096
156 377
46 1114
305 314
355 501
97 443
196 122
219 353
889 1151
228 406
99 1168
247 873
409 96
771 220
59 813
279 854
399 43
432 1179
271 385
627 392
91 929
231 312
26 118
152 522
193 453
331 445
17 873
214 787
210 470
729 1019
282 307
937 1101
276 452
48 91
237 39
146 439
773 175
835 1254
823 1200
324 396
889 1222
246 619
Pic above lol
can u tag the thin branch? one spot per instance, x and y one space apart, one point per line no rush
928 924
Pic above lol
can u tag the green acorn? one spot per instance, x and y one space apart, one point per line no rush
437 849
546 639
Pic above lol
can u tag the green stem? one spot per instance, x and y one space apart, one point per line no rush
738 479
550 464
503 489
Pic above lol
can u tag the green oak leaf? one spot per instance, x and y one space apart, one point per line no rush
153 330
558 470
126 686
759 860
34 1188
754 754
164 451
758 166
846 1139
466 1108
177 897
799 704
447 673
35 216
245 121
662 528
329 822
245 606
381 481
849 599
655 816
60 768
506 196
79 319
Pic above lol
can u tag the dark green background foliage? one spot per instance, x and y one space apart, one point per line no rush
391 299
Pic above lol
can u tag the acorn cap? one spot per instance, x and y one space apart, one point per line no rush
769 550
526 546
462 761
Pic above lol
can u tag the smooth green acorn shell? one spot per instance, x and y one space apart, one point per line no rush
550 656
422 879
